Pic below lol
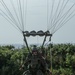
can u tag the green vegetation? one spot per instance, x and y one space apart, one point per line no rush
63 59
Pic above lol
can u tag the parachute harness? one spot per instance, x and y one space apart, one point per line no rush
39 33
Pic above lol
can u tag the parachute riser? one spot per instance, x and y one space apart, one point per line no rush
46 34
25 40
44 41
34 33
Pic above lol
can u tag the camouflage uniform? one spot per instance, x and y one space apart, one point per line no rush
36 59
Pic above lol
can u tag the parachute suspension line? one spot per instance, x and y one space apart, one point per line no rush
19 11
57 19
8 11
5 13
25 14
15 11
51 14
69 16
65 22
47 13
66 16
8 19
59 10
10 14
21 14
25 40
56 10
53 25
62 17
63 5
55 14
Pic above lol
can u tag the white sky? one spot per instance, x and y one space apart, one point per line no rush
9 35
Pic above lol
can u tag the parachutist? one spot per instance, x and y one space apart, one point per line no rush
35 62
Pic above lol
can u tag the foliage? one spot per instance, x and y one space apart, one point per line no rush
63 59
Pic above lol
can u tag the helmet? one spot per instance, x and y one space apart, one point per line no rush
34 50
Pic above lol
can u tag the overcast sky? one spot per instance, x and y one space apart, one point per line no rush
36 21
